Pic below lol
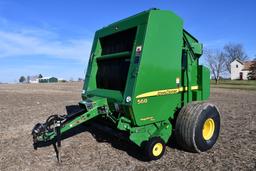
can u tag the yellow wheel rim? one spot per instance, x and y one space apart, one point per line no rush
208 129
157 149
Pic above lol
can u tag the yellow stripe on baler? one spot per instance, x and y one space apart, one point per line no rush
165 92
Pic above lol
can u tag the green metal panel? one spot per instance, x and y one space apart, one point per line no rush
159 68
204 77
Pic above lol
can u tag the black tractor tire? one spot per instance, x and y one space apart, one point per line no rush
197 126
154 148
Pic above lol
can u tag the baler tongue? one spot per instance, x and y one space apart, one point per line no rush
56 125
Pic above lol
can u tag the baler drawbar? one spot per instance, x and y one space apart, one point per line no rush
56 125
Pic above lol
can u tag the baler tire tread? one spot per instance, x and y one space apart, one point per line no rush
189 132
187 123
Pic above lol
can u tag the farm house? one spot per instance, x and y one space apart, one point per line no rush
240 69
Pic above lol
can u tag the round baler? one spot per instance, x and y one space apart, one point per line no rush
144 79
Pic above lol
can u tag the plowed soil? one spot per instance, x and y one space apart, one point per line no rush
22 106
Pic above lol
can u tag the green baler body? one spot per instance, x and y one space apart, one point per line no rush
147 66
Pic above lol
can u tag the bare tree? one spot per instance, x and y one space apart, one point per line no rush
40 76
216 61
252 73
80 79
233 51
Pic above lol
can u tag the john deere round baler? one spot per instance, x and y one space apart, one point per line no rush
144 78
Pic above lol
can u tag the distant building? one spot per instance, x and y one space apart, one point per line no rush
48 80
61 80
33 79
240 70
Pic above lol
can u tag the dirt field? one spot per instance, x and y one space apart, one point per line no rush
21 106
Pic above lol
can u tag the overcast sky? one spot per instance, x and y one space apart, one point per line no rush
53 37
